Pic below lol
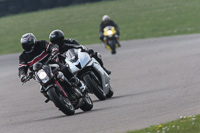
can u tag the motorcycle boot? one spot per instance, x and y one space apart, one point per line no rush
74 80
83 87
79 83
119 45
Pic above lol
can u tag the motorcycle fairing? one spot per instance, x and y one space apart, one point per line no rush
107 29
80 63
85 61
104 76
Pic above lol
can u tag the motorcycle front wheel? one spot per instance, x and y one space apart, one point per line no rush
112 44
110 93
61 101
94 86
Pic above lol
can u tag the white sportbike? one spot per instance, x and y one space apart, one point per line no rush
90 71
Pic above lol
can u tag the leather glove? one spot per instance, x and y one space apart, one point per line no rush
90 51
23 77
54 51
83 49
116 36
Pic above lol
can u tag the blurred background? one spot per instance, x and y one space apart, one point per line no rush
80 19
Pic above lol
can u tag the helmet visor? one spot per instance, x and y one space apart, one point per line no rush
28 48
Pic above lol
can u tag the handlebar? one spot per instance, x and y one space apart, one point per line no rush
31 74
52 57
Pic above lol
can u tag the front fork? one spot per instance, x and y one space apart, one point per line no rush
68 85
63 80
44 90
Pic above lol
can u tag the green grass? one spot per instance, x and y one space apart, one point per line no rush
136 19
186 124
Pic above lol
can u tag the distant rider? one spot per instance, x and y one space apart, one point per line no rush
106 21
39 51
57 37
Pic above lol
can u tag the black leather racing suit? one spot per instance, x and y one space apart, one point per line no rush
41 54
71 43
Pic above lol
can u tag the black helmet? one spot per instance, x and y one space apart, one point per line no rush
56 36
28 42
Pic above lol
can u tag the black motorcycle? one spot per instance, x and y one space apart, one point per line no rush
56 87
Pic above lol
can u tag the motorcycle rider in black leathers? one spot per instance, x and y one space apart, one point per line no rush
106 21
57 37
39 51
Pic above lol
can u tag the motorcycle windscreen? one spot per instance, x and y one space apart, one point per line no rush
84 58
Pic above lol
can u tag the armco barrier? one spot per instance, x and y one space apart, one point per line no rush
31 5
3 8
83 1
17 6
63 2
46 4
14 6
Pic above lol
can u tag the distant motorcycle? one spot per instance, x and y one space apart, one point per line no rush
90 71
58 89
110 39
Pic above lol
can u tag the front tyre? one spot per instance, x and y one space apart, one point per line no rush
60 101
113 46
94 86
110 93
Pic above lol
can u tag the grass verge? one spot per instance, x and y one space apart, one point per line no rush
186 124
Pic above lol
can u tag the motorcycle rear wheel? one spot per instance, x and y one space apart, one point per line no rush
60 101
88 104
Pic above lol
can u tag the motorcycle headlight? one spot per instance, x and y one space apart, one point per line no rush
110 33
43 76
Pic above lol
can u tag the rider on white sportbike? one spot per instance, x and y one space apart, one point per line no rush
57 37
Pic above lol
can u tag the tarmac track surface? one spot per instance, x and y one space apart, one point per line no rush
155 80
